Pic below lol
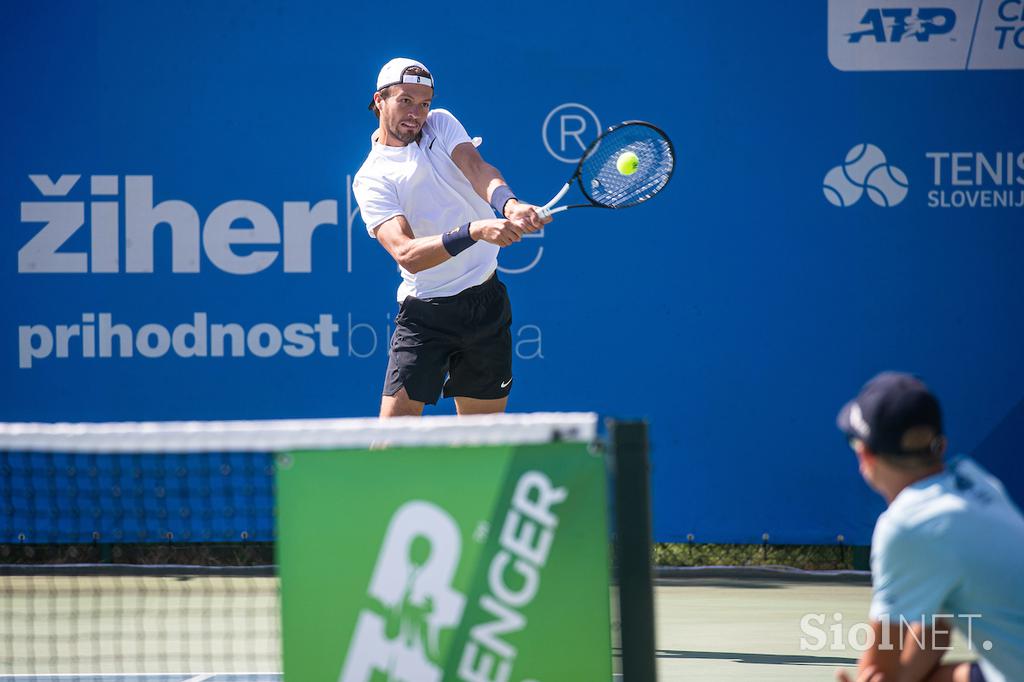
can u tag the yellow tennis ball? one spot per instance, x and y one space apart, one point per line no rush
627 163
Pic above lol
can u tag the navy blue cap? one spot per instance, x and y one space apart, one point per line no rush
894 414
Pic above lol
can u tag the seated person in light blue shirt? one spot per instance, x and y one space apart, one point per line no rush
947 554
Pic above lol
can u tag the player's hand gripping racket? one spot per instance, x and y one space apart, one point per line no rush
627 164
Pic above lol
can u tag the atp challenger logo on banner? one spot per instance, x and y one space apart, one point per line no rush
896 35
416 601
415 591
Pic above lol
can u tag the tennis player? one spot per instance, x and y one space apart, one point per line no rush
947 553
429 198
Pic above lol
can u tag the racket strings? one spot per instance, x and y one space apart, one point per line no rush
600 177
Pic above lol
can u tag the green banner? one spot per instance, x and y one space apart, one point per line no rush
482 564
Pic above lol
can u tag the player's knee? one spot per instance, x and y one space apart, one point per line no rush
400 405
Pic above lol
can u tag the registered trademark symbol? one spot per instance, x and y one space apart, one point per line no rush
567 128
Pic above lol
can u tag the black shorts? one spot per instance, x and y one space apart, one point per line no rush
466 337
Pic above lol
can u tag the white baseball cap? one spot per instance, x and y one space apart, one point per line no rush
396 72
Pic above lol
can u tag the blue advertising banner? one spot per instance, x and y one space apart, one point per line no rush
180 239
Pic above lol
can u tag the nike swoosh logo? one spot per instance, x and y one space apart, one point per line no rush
506 383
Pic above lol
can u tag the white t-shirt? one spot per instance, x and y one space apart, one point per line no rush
953 545
421 182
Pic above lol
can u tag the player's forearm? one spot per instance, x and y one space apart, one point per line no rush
422 253
482 176
485 180
905 660
884 654
917 662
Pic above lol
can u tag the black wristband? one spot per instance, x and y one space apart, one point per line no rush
458 240
501 196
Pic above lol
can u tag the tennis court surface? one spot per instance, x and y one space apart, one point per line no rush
707 629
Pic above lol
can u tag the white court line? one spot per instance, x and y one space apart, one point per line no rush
201 677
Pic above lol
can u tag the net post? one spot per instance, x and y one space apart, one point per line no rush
629 455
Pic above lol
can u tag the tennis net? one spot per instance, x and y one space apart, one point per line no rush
150 550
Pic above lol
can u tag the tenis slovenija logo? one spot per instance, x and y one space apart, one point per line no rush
865 170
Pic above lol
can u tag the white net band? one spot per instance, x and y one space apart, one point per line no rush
299 434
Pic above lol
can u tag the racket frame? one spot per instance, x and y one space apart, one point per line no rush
550 209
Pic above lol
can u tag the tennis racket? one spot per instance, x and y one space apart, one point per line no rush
598 175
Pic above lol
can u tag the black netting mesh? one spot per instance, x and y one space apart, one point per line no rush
601 180
97 620
137 563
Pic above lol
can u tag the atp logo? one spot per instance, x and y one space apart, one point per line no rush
412 583
893 24
925 35
865 169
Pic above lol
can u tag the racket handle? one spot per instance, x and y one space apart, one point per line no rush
545 212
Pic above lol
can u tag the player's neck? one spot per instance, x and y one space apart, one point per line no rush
895 484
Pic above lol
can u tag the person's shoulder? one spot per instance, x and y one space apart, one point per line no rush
374 168
962 495
985 500
440 115
921 502
921 514
888 527
372 180
917 506
970 476
899 539
443 121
